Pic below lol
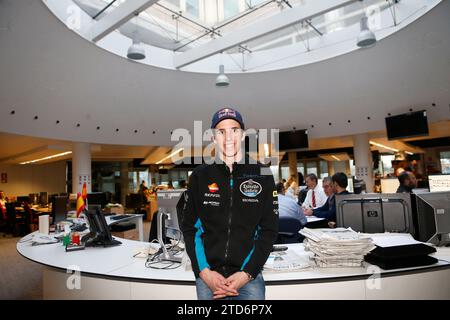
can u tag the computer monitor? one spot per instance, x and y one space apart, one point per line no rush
433 217
167 204
43 198
375 212
167 219
99 233
439 182
97 198
23 199
59 209
34 198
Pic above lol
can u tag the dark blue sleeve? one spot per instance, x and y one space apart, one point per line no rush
321 209
326 211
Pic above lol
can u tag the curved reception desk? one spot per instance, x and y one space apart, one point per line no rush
117 273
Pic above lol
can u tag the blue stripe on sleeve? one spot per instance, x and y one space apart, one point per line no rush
247 259
199 248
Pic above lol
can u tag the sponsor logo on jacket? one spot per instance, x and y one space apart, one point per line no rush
213 187
250 188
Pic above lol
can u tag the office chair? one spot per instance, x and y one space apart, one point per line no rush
11 218
288 229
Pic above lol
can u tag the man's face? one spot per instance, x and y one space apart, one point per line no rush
327 188
228 137
411 181
311 184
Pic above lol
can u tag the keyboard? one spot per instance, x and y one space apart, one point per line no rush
120 217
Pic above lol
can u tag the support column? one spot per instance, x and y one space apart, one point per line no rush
81 166
347 167
123 181
363 160
292 160
330 168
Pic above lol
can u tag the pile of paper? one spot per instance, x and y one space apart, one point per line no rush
338 247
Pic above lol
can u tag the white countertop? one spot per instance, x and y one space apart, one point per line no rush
118 262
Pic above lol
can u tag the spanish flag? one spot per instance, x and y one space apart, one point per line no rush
80 204
84 192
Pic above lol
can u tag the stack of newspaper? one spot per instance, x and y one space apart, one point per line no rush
338 247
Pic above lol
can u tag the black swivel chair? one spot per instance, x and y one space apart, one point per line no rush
11 226
288 229
3 222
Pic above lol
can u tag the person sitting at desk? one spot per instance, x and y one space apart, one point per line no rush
315 197
287 207
3 201
338 185
407 182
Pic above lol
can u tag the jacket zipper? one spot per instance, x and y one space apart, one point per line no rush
229 217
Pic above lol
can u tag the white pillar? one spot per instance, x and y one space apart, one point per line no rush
123 181
363 160
81 166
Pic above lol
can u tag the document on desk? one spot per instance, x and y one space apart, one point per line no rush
288 261
385 240
40 239
314 219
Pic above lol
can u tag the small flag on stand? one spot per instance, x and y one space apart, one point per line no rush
80 204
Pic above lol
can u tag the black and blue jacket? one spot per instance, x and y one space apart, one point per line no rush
230 220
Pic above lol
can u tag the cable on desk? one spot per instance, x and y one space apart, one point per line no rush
154 260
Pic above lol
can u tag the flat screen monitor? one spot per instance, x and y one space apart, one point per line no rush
59 208
439 182
23 199
99 232
375 212
97 198
34 198
43 198
412 124
167 204
292 140
433 217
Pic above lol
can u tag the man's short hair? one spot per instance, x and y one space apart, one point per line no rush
327 180
312 176
402 177
340 179
280 187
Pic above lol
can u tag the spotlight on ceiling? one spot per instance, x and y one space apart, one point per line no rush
222 80
136 51
366 37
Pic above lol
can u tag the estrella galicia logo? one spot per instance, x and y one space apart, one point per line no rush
250 188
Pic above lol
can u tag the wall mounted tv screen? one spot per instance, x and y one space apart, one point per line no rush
290 140
412 124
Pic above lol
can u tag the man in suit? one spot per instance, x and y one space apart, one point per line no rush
339 184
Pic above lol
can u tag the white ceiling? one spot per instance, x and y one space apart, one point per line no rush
49 71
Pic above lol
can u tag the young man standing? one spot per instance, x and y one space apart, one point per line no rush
231 217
